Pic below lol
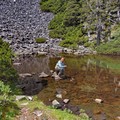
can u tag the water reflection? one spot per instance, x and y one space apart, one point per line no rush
101 66
33 65
94 77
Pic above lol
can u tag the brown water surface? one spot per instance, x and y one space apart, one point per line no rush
94 77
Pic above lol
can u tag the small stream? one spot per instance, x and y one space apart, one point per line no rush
94 77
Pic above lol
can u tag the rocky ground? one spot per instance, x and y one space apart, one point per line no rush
22 21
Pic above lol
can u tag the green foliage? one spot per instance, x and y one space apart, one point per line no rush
8 78
74 18
113 46
66 23
90 44
51 5
6 70
108 62
8 109
40 40
4 92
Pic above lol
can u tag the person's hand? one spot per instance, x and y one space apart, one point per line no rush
65 65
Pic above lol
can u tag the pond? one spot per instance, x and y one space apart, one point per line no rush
95 77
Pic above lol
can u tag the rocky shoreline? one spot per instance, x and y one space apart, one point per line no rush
22 21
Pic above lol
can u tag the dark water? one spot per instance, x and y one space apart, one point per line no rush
94 77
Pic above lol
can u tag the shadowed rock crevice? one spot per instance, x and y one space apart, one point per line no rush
31 85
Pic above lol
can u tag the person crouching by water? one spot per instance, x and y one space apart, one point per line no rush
60 67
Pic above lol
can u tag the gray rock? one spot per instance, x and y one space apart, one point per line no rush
25 75
66 101
59 96
41 53
57 77
59 90
54 74
43 75
16 64
30 98
55 102
20 97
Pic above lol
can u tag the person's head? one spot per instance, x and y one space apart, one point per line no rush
62 59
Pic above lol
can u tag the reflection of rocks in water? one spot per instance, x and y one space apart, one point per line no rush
33 65
32 85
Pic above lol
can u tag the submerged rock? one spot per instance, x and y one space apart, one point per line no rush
117 118
98 100
59 95
25 75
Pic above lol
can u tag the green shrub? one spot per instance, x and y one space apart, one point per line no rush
4 91
113 46
74 18
67 21
40 40
8 79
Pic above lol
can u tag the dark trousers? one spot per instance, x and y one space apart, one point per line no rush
59 71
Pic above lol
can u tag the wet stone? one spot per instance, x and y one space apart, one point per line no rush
43 75
59 95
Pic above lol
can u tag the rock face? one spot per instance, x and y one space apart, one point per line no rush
21 21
